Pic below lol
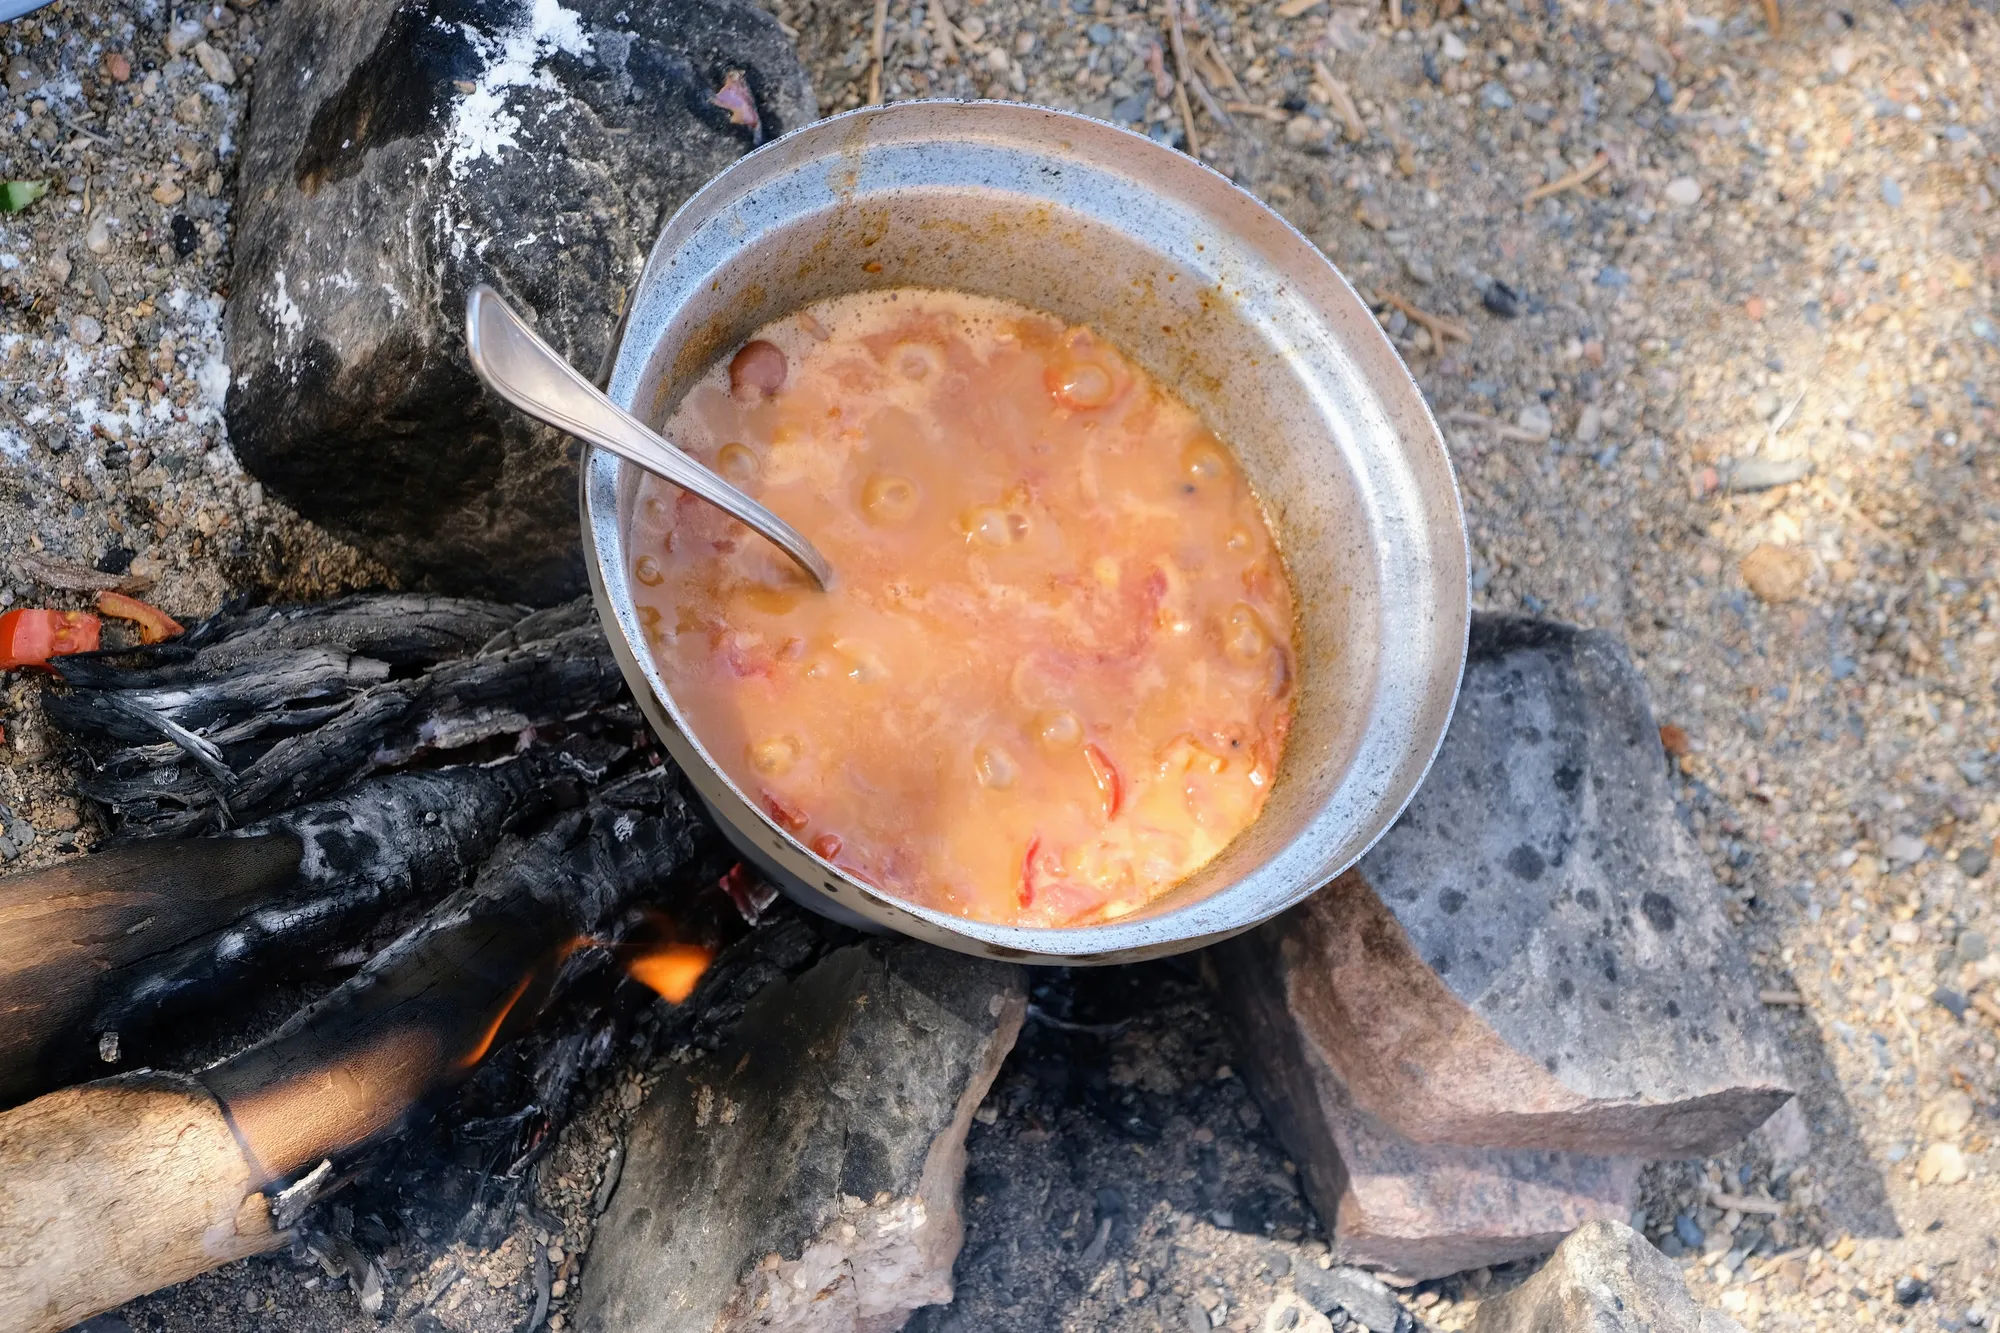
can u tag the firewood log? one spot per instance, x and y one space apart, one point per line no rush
116 1188
103 949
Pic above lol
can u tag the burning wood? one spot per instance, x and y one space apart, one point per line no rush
110 946
118 1187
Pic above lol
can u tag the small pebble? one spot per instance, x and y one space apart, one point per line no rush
214 63
1941 1164
183 35
1683 192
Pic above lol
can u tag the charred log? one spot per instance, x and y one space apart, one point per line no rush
405 631
263 714
177 1176
107 947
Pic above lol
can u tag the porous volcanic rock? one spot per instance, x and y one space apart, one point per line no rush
806 1177
398 153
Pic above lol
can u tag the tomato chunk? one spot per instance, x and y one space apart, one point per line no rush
31 636
155 625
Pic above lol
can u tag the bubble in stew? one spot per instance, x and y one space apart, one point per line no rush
1053 676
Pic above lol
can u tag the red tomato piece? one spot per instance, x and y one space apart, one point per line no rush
31 636
789 816
1028 871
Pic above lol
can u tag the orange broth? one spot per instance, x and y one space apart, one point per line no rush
1053 676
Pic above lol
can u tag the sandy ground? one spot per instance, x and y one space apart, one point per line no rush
1783 270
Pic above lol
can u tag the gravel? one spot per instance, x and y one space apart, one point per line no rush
1808 216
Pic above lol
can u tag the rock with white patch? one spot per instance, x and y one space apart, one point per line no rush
398 153
806 1176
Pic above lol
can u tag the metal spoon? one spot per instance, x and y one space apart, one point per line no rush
530 374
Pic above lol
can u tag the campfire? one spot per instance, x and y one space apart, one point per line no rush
443 817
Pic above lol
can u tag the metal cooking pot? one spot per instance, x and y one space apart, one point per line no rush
1210 291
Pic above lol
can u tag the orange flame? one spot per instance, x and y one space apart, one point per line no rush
671 969
485 1042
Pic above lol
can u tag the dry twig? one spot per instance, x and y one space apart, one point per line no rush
1502 430
941 32
1781 998
875 52
1342 102
1291 9
1219 66
1774 17
1439 326
1208 102
1747 1203
1185 71
1257 109
1569 182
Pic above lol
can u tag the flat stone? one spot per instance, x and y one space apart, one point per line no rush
416 149
1605 1278
806 1177
1535 956
1420 1210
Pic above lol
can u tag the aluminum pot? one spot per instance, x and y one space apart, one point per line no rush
1213 293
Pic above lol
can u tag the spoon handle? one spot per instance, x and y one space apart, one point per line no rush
516 364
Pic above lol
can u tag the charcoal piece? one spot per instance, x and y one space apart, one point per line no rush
1535 956
1363 1295
806 1176
427 145
1604 1278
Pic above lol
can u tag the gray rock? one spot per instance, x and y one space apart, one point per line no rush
807 1176
1362 1294
397 153
1535 956
1605 1278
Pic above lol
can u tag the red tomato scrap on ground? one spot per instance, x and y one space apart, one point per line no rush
30 636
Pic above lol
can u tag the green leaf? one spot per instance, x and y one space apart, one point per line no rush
17 195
